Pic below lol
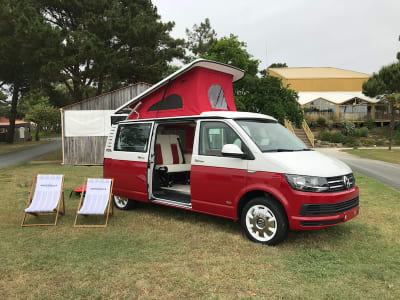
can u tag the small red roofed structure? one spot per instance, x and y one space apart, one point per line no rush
22 129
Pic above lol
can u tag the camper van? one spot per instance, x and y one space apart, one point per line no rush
184 145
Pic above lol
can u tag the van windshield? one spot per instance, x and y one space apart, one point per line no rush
271 136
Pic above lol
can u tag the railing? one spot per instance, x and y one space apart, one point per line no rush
354 116
380 115
308 132
289 126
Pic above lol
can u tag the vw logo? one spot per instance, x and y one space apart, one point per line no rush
347 182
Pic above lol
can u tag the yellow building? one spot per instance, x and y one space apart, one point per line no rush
331 93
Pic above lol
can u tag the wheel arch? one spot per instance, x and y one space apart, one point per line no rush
251 194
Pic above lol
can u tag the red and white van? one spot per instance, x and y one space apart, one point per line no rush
236 165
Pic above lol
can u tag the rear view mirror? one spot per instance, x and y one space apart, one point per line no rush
232 150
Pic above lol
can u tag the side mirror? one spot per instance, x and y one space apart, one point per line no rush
232 150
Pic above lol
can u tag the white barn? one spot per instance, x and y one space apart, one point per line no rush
85 124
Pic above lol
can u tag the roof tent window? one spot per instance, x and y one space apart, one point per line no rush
172 101
217 98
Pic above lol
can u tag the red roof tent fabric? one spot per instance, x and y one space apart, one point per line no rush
192 84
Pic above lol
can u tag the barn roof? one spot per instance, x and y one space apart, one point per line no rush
236 74
101 95
317 72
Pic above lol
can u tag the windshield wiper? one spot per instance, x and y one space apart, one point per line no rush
279 150
287 150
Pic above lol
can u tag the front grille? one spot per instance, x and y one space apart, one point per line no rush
321 223
328 209
338 183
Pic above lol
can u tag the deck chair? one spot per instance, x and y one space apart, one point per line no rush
96 200
47 197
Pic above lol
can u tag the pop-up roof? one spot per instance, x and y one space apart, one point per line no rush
202 85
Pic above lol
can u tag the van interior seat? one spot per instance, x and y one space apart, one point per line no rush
169 154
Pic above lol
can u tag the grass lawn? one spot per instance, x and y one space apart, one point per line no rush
55 156
158 252
379 154
17 146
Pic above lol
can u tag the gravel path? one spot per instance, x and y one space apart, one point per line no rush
23 156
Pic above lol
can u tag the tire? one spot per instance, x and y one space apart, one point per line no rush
124 203
260 212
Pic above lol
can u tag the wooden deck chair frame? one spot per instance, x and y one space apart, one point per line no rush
56 211
107 210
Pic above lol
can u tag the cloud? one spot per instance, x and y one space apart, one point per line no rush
359 35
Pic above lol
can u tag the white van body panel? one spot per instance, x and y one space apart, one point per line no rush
311 163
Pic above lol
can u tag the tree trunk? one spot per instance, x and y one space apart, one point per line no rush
100 86
37 138
391 124
13 114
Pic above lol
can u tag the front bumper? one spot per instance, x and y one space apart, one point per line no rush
310 223
299 221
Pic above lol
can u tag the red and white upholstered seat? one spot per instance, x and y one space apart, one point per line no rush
169 154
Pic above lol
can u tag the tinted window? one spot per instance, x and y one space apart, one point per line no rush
271 136
173 101
214 135
132 137
217 97
116 119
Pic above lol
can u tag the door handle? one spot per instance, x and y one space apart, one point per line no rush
198 160
140 157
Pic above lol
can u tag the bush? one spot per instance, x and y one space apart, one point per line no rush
370 123
362 132
348 128
324 136
351 141
396 137
380 143
321 122
311 123
335 137
367 143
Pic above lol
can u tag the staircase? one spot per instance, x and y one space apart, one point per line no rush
301 134
304 133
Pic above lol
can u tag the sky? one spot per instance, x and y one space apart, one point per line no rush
358 35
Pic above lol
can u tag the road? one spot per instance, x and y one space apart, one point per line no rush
23 156
387 173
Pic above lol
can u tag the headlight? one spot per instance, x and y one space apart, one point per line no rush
307 183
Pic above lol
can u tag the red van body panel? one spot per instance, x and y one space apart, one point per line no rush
130 178
292 200
213 189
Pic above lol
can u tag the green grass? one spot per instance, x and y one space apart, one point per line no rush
158 252
392 156
18 146
55 156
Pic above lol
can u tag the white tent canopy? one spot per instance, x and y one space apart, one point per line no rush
334 97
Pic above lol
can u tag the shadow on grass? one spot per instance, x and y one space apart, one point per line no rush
335 235
190 217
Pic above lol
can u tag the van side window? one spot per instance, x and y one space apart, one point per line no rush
132 137
214 135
